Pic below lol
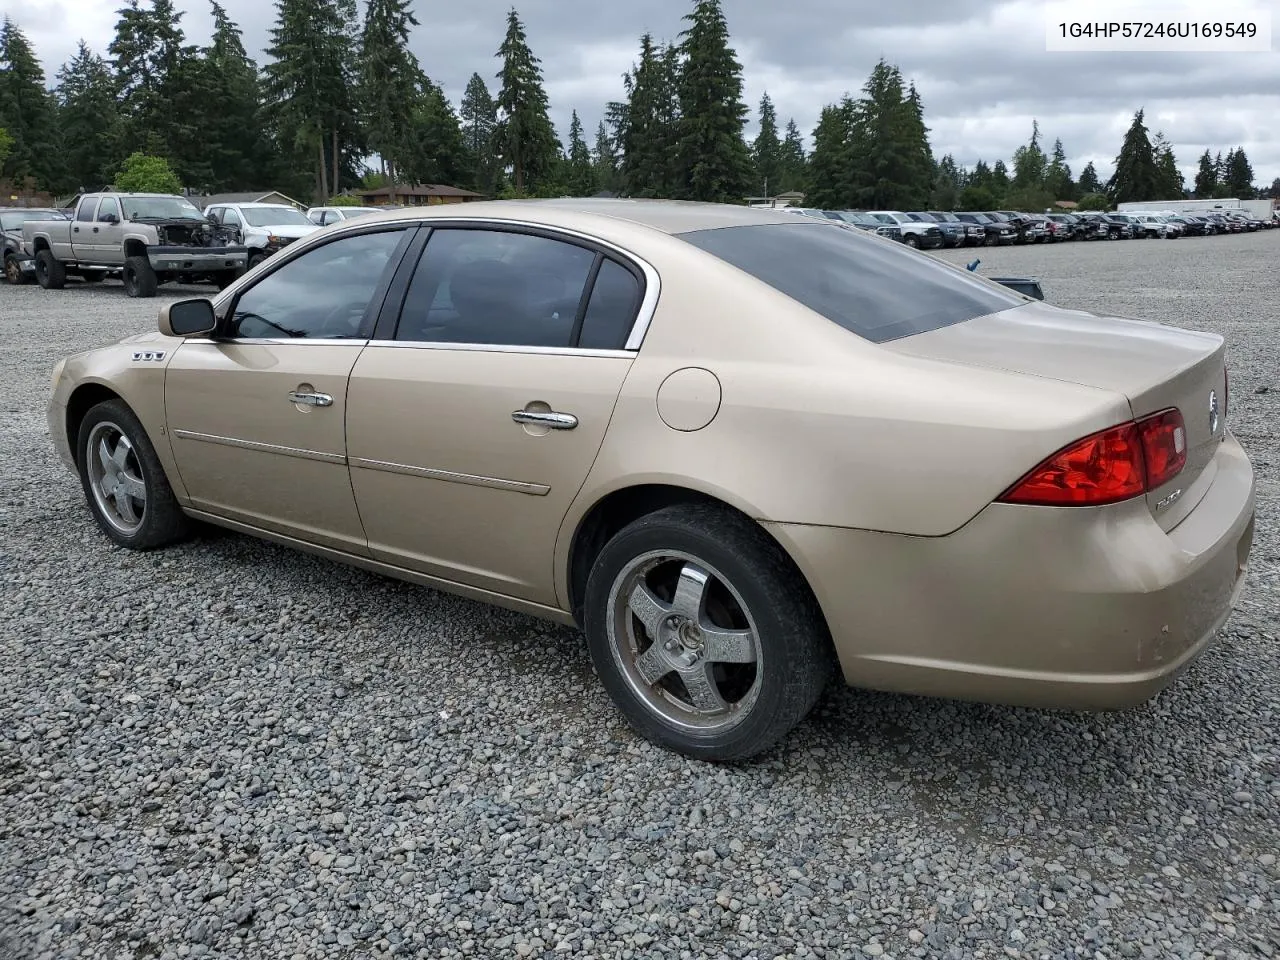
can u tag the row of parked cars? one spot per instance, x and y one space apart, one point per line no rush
934 229
149 239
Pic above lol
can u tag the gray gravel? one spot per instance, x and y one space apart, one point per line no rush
229 750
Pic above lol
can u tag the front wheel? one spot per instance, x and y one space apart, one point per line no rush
140 278
124 482
913 241
13 271
704 634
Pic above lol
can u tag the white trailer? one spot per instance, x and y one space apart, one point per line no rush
1181 206
1260 209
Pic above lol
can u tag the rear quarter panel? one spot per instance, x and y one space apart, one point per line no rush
818 426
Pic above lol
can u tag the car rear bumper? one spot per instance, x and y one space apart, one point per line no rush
174 259
1030 605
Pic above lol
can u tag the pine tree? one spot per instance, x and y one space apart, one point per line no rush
1135 176
830 185
946 185
1206 177
604 161
1000 181
891 160
28 112
647 123
766 151
479 125
1029 162
1274 192
435 148
1169 182
714 159
232 133
1058 175
1089 182
793 160
527 138
580 176
90 120
1238 179
153 75
980 191
389 84
308 83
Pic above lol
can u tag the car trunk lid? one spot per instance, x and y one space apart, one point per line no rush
1153 365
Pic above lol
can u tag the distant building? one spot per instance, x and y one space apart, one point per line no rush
415 195
791 198
252 196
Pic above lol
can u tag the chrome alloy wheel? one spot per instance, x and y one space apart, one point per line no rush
685 641
115 477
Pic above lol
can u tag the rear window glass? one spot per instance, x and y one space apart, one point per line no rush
871 287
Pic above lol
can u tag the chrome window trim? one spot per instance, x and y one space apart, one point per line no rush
320 341
504 348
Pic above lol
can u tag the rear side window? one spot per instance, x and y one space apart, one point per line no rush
611 311
877 290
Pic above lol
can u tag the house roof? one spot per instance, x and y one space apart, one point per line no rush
255 196
419 190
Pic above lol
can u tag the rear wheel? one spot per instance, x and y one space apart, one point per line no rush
226 278
50 273
124 482
256 258
140 279
704 634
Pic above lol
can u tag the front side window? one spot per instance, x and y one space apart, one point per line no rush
324 293
109 206
231 219
879 291
495 287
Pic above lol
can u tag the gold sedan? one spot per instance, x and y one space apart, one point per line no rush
744 451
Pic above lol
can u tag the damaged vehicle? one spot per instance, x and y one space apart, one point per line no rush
146 238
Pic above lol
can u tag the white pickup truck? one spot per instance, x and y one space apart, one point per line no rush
147 238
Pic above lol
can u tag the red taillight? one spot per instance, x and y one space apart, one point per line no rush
1164 446
1116 464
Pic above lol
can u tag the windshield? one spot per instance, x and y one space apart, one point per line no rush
946 218
879 291
358 211
274 217
13 220
159 208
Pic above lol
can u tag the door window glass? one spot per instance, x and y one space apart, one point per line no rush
109 205
611 311
494 287
85 212
324 293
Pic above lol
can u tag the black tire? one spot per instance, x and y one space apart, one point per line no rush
93 276
14 273
50 273
255 259
140 278
794 656
160 520
912 240
226 278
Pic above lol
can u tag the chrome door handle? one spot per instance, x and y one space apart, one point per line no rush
311 399
556 421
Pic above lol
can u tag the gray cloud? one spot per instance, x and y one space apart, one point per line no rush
980 65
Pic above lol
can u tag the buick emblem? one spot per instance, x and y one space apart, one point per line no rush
1213 411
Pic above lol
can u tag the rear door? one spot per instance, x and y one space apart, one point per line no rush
473 420
82 246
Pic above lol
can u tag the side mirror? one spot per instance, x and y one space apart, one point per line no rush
110 218
188 318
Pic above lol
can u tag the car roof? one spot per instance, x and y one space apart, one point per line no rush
666 216
269 206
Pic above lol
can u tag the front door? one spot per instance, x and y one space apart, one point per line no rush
256 417
470 433
108 237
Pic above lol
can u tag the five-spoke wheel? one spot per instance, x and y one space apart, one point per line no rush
115 477
704 633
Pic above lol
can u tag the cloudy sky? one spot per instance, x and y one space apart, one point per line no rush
981 65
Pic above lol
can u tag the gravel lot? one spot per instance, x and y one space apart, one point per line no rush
229 750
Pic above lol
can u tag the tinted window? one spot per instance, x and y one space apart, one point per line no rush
88 207
488 286
611 311
877 290
323 293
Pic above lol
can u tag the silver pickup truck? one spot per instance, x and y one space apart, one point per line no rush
147 238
